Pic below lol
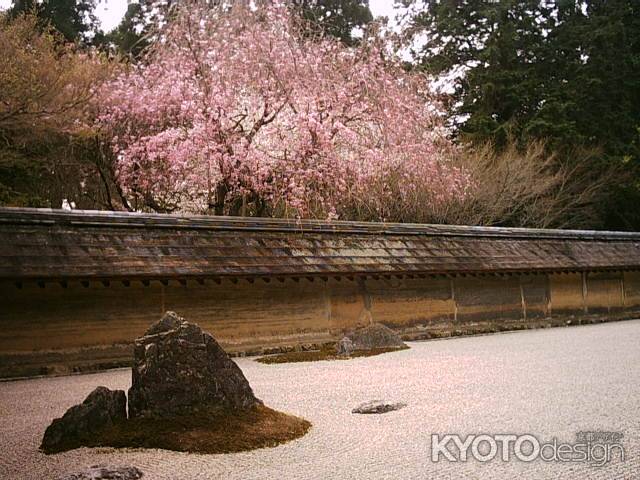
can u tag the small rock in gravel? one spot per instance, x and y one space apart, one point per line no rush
370 337
102 472
345 346
378 406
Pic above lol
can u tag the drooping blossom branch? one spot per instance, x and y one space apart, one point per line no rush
234 111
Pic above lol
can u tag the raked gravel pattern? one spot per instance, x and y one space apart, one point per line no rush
551 383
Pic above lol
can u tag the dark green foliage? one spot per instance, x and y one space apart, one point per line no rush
74 19
21 181
43 173
129 36
498 42
604 94
337 18
565 71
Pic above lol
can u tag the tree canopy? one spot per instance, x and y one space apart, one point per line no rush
237 110
565 71
338 18
74 19
287 109
129 36
45 89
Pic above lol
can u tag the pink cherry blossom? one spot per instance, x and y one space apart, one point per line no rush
236 107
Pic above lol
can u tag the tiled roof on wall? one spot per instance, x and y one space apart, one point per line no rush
45 244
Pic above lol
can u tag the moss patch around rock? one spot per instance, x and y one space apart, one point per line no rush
212 431
328 353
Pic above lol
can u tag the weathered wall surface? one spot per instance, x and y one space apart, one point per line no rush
631 289
40 322
54 317
405 302
566 293
604 292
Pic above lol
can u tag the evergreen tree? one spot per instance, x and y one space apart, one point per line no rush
130 36
496 45
564 71
338 18
74 19
607 95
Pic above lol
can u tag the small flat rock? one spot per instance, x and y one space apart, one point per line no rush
377 406
103 472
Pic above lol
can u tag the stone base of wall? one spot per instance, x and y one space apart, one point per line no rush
65 361
447 330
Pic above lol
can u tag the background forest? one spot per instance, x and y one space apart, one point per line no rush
511 113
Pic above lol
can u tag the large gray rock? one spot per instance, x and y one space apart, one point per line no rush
101 409
374 336
102 472
179 369
377 406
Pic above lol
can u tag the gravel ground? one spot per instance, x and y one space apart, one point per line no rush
550 383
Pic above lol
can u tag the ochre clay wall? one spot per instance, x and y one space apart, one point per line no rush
604 292
56 318
566 293
246 316
631 289
406 302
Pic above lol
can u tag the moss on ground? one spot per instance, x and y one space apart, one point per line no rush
211 431
327 353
